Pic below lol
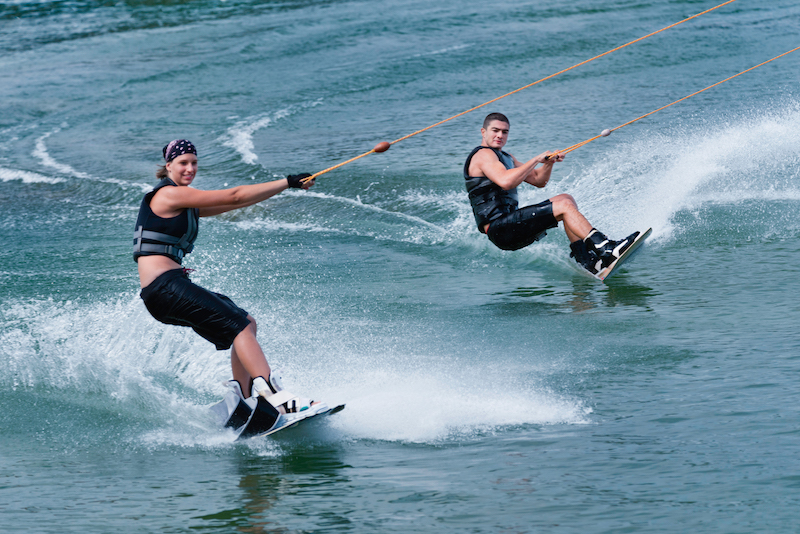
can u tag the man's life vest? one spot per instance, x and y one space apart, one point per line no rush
489 200
173 237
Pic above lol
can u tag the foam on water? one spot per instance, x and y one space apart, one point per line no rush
429 407
445 50
371 207
240 136
400 226
266 224
645 181
6 175
165 378
41 153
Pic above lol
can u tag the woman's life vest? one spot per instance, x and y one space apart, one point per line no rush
172 237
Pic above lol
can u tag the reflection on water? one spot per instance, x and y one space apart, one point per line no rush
278 477
584 294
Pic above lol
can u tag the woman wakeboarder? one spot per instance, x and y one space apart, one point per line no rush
165 232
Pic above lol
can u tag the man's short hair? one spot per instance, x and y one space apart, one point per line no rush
495 117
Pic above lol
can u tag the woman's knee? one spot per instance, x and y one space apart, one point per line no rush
247 334
248 331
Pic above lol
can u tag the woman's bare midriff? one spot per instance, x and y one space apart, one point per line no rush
151 267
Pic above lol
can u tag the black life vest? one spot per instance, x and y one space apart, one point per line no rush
173 237
489 200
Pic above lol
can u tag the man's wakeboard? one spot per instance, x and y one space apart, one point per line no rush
612 269
255 416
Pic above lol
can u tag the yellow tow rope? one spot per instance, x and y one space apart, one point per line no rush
384 146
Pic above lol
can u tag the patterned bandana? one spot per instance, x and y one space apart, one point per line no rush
178 147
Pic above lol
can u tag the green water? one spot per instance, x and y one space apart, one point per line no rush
486 391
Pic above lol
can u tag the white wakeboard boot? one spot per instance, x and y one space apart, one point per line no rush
292 407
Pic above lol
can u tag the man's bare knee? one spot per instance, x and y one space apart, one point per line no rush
563 203
564 198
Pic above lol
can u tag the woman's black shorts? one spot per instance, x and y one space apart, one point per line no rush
174 299
522 227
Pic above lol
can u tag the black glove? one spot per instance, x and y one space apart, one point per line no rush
295 180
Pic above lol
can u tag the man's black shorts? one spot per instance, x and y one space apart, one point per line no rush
174 299
522 227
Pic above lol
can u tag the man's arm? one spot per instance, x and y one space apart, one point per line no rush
486 162
539 177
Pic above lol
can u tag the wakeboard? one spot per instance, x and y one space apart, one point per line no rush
254 417
612 269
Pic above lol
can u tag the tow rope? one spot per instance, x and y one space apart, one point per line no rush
384 145
605 133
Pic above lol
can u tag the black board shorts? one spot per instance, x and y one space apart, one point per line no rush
174 299
522 227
